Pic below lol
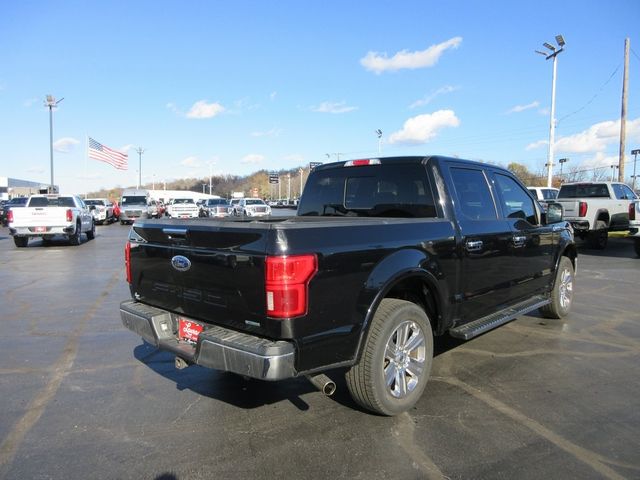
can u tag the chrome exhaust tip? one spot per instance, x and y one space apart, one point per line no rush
322 383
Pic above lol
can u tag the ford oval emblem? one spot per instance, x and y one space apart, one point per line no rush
180 263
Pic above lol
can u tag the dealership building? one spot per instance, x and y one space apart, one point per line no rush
13 187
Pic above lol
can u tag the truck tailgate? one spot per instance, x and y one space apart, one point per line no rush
570 206
40 216
212 270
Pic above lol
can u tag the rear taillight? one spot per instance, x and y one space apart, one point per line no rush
632 211
69 215
9 216
582 209
127 261
286 284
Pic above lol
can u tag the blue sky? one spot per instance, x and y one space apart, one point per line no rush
234 87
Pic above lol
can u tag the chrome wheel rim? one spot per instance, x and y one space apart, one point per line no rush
404 359
566 289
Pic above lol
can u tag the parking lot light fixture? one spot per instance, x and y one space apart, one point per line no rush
552 54
51 103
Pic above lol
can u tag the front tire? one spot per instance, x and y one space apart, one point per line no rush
562 293
396 359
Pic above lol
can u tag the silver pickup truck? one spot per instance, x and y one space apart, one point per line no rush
46 216
596 208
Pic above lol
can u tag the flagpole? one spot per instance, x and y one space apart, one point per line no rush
86 158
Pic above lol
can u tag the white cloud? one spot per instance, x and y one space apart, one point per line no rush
191 162
596 138
202 109
427 99
378 63
522 108
65 145
274 132
272 96
599 160
422 128
127 147
538 144
252 159
333 107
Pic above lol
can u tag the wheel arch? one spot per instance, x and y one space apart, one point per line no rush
411 275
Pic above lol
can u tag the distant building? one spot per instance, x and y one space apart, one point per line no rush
13 187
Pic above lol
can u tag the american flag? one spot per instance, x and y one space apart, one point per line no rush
108 155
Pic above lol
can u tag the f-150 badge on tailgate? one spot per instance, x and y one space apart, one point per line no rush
180 263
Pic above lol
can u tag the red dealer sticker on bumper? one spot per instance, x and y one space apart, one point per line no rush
188 330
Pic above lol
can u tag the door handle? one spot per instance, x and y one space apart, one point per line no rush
474 246
519 240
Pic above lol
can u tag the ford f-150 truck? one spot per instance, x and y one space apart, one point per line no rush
596 208
49 215
382 255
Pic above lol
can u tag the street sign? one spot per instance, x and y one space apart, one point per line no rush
313 165
274 177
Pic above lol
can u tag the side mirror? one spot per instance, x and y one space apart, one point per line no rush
554 213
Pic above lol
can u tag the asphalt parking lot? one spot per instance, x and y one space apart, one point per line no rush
84 398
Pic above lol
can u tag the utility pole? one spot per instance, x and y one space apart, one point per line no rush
301 181
289 187
379 135
623 112
140 151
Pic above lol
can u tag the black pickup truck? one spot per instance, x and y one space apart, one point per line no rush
382 255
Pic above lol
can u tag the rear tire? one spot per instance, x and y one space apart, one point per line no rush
396 359
562 293
599 237
21 242
75 238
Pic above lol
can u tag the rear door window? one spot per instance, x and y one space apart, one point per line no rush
474 196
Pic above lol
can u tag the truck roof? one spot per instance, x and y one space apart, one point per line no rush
424 159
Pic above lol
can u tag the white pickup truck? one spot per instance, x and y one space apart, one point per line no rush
183 208
634 224
596 208
46 216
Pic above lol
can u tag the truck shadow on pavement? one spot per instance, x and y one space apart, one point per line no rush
251 393
616 248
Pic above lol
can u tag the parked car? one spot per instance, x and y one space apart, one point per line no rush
116 211
233 206
252 207
596 208
217 207
15 202
634 224
382 255
183 208
544 194
49 215
101 209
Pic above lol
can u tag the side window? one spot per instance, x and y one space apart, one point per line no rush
629 192
515 201
474 196
619 192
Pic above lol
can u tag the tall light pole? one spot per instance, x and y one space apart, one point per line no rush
301 181
51 103
379 134
562 161
635 158
139 151
613 171
552 54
